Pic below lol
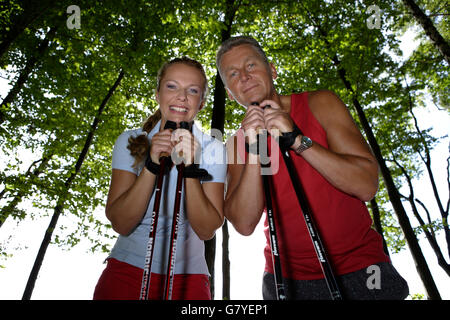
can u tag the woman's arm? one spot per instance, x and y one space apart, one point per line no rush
128 199
129 194
204 206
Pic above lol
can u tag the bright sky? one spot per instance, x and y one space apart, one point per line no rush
73 274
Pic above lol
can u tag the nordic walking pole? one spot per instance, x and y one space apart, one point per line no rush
281 295
312 229
175 221
164 162
278 275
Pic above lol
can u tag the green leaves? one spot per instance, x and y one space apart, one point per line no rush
309 42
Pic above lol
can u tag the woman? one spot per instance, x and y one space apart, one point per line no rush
181 93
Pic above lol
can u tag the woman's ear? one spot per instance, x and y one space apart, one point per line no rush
202 104
157 96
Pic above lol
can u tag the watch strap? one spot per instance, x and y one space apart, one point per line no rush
287 139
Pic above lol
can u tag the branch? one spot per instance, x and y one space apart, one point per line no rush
448 184
427 159
428 214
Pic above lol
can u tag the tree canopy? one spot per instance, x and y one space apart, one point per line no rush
73 80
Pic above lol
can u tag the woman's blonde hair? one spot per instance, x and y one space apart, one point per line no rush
139 146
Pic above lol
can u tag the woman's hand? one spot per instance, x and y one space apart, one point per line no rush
186 147
161 145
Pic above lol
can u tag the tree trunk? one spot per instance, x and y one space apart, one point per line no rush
394 196
377 222
436 38
427 161
428 231
217 122
225 262
60 205
210 256
32 10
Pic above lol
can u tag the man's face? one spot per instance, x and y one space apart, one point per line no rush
246 76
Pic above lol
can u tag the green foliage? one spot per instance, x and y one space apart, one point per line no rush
417 296
308 41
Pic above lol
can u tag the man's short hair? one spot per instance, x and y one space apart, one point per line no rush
232 42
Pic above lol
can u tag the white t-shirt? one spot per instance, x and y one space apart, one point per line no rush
190 252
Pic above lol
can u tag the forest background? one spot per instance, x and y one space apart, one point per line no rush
75 74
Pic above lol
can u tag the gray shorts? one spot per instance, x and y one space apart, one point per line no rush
377 282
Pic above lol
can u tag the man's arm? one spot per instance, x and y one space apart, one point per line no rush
348 164
244 200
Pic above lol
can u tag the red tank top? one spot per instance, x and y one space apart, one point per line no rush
343 221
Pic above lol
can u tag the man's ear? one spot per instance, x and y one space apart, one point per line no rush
274 71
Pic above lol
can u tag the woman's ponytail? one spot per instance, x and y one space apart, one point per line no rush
140 146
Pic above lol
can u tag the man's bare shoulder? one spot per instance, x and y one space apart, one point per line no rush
326 106
322 99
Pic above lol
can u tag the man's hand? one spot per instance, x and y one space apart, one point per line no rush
253 121
276 119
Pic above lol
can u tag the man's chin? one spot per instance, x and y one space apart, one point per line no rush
252 99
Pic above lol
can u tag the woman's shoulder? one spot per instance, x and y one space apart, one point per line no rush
125 135
132 132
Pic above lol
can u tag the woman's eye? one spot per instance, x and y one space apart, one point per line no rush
194 91
171 86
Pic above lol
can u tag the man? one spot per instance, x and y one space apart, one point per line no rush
336 168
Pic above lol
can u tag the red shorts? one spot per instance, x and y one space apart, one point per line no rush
122 281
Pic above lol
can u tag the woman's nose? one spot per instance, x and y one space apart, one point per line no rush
182 94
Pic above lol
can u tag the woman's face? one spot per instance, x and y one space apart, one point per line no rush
180 94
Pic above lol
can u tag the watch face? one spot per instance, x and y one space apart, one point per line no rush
306 141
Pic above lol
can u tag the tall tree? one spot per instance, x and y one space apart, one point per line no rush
337 30
315 44
17 16
394 195
67 186
217 122
438 40
90 59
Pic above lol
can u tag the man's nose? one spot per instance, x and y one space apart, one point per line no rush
244 75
